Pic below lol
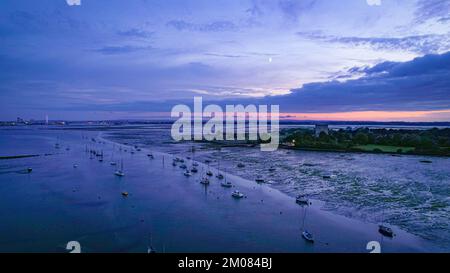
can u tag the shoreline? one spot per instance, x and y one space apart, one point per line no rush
317 206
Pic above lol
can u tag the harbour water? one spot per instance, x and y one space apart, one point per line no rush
58 202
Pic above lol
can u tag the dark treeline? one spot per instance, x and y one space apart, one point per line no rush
433 141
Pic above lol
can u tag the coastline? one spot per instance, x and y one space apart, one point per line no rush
334 223
62 203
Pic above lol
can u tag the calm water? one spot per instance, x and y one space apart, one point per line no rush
370 187
57 203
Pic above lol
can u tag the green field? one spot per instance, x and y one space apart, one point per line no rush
386 149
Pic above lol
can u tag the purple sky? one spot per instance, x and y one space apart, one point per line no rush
136 59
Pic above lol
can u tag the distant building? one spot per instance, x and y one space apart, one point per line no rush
321 128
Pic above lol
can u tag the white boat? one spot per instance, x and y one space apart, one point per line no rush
237 194
120 172
204 181
308 236
187 173
226 184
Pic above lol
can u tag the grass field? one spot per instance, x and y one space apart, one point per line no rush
386 149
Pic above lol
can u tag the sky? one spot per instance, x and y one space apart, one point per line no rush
383 60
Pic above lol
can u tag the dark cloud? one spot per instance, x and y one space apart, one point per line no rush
420 84
423 44
135 33
114 50
217 26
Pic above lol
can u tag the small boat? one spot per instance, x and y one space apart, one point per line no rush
75 166
219 176
301 199
240 165
272 169
150 249
226 184
308 236
187 173
120 172
150 156
386 231
426 161
209 173
194 170
29 170
207 161
174 164
183 166
195 164
259 180
204 181
138 149
237 194
113 163
125 194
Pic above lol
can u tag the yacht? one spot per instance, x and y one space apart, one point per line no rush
237 194
226 184
204 181
120 172
386 231
219 176
308 236
259 180
301 199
